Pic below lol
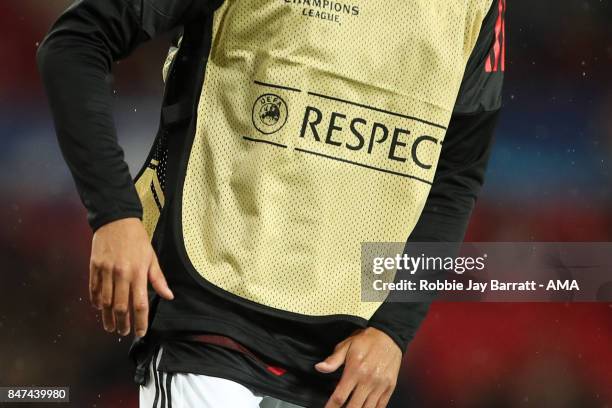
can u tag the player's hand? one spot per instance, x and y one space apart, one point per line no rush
371 365
122 260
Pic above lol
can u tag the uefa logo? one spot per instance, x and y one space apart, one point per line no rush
269 113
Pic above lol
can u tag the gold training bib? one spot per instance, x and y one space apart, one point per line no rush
319 127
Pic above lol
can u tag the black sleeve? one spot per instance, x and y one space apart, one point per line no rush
75 61
461 168
447 211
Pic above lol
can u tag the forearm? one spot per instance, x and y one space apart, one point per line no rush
78 85
75 62
444 219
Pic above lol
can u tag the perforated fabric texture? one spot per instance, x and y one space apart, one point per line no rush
151 184
319 127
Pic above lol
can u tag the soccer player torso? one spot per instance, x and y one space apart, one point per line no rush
319 127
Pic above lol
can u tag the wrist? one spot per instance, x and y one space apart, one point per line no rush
100 221
394 337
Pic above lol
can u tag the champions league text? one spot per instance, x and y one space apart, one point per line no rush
325 9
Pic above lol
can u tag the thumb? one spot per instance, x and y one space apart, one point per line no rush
333 362
158 281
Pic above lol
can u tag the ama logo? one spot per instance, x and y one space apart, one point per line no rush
269 113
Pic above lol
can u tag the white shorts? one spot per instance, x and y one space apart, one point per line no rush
178 390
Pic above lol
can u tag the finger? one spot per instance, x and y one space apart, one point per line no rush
140 303
106 298
374 398
95 283
120 306
158 281
107 288
334 361
128 319
384 399
359 396
342 392
108 319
